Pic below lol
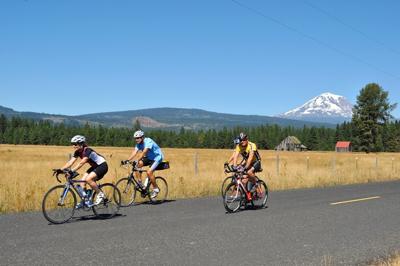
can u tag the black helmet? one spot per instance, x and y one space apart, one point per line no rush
242 136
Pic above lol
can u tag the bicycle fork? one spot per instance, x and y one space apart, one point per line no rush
64 194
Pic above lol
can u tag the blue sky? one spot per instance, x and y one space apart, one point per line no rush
256 57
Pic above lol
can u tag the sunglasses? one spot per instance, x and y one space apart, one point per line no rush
138 138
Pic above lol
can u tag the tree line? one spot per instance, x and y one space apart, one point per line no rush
371 130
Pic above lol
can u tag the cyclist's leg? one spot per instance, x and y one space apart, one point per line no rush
137 174
150 172
96 174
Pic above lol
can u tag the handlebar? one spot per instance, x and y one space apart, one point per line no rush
231 169
67 172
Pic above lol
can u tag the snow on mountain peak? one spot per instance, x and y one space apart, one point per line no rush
324 106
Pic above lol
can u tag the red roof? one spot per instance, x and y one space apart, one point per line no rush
343 144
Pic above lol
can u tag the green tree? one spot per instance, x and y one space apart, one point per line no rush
371 112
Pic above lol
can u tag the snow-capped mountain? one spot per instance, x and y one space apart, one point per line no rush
327 107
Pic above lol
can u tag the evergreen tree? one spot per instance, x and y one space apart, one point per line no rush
370 113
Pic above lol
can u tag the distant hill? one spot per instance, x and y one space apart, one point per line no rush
165 118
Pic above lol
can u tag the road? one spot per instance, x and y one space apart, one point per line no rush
299 227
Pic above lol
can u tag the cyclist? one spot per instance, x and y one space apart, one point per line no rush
151 155
98 166
252 158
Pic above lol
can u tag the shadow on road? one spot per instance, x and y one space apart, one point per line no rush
83 218
150 203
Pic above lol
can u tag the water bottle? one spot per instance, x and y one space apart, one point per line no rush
88 193
81 191
146 182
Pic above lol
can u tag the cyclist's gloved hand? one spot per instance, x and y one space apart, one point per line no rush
70 172
125 162
240 169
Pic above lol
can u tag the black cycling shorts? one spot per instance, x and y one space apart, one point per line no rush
257 166
100 170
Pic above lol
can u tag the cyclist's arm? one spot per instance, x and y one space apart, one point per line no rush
231 158
143 154
235 158
69 163
80 164
133 154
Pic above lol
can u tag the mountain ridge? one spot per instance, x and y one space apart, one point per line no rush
168 118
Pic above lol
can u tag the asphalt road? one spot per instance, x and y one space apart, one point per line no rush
299 227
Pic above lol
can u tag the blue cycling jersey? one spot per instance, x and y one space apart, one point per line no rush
154 152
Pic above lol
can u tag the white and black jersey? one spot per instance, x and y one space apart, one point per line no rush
95 159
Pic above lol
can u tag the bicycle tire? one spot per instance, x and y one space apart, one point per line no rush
56 212
233 197
128 191
162 195
261 196
109 207
225 184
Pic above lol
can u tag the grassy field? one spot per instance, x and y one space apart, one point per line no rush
25 171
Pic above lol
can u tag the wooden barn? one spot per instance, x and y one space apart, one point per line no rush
291 143
343 146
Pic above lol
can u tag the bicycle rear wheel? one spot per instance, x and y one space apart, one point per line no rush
225 184
58 205
260 196
233 197
109 207
162 195
127 190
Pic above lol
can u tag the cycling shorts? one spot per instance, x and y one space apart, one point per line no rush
154 163
100 170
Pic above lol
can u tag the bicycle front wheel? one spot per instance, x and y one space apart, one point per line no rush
260 196
233 197
109 206
128 191
225 184
58 205
162 195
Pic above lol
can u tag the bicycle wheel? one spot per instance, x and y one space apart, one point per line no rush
162 195
127 190
260 196
58 205
109 207
225 184
233 197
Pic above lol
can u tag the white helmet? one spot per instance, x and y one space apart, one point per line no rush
138 134
78 139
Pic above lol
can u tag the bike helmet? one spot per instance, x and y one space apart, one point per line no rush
138 134
242 136
236 141
78 139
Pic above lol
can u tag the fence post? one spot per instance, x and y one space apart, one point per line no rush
196 169
277 164
392 164
356 163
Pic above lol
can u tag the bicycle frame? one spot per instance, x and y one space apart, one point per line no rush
70 184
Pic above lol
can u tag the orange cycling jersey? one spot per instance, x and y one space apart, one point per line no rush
245 151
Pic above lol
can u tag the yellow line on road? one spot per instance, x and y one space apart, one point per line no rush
355 200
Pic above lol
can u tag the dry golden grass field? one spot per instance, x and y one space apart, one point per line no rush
25 171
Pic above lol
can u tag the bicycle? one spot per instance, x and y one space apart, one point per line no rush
59 203
237 195
129 185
